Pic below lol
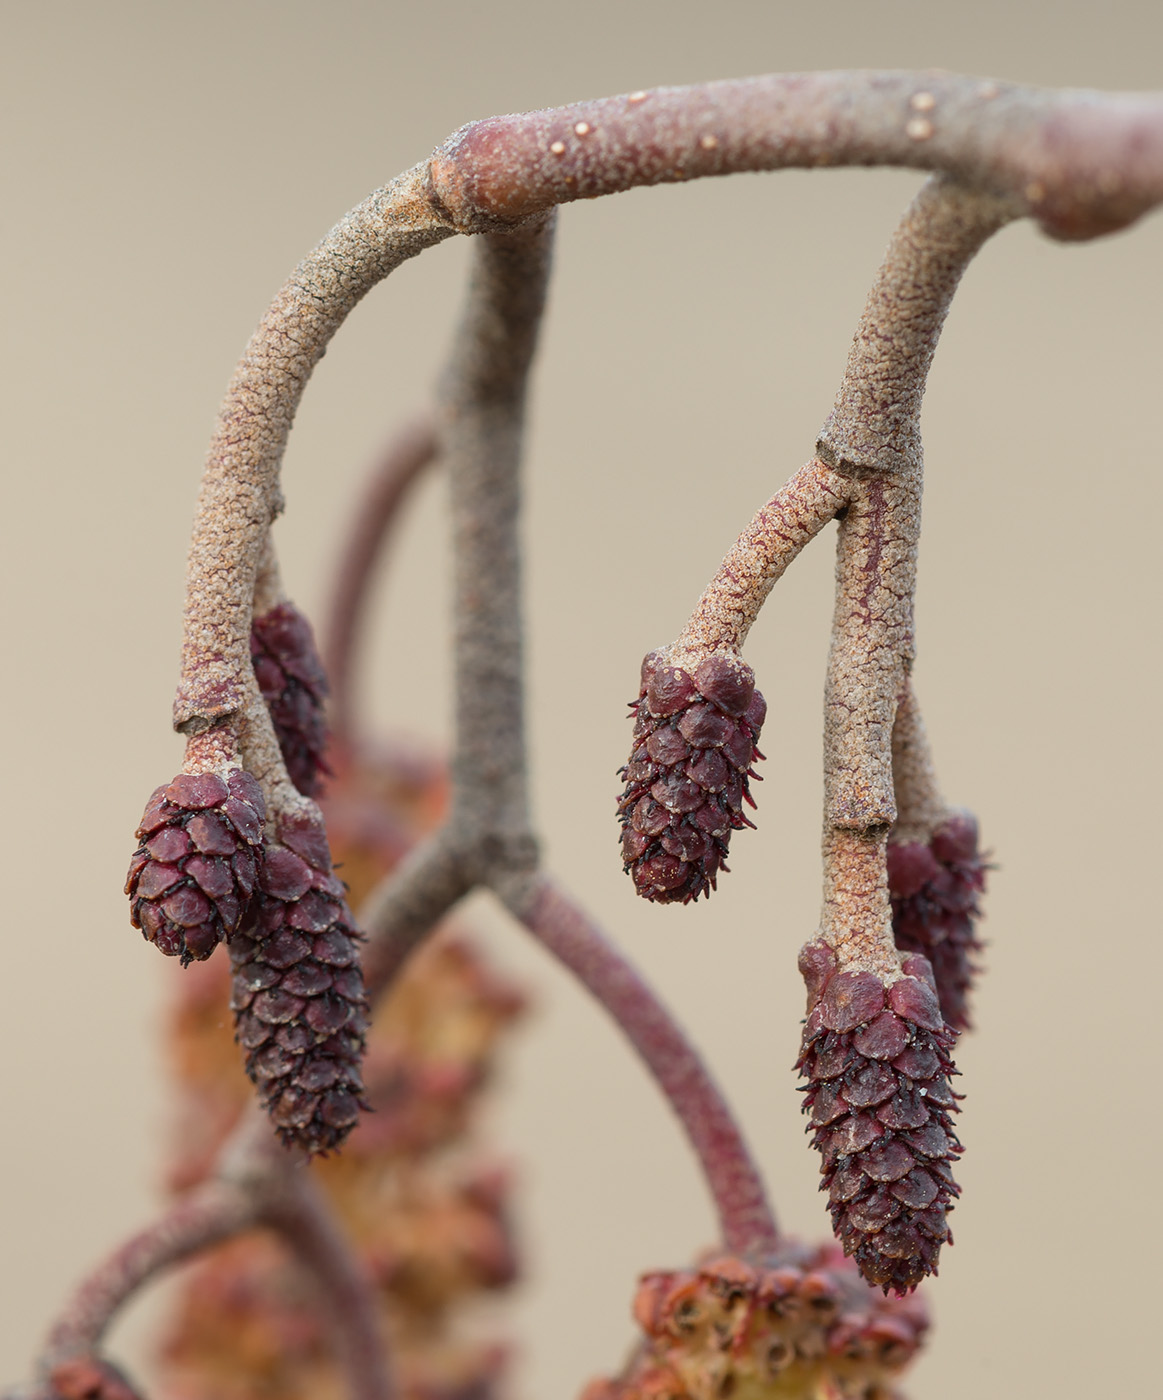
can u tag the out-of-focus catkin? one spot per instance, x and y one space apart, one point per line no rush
294 687
935 887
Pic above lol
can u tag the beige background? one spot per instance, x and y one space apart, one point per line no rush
166 166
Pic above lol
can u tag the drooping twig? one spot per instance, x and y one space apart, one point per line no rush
406 906
1081 163
240 496
299 1212
745 1218
482 412
257 1185
873 436
884 1131
756 561
208 1216
406 457
920 806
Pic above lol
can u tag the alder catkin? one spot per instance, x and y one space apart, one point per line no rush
298 995
877 1063
934 888
294 687
688 774
192 877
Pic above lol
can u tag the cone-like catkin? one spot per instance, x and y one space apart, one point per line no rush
934 891
191 879
877 1063
294 686
800 1325
298 998
687 779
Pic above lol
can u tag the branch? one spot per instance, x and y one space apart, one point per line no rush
756 561
406 906
920 806
257 1183
745 1218
482 409
239 496
299 1212
1082 163
208 1216
873 435
406 457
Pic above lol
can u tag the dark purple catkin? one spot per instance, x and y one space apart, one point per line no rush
294 686
934 888
192 877
687 779
877 1063
298 996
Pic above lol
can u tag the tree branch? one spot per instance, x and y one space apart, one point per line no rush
405 459
208 1216
297 1209
745 1218
1081 163
873 435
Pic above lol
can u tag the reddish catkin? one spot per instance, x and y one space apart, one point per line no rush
298 995
799 1324
192 877
877 1063
687 778
294 687
935 887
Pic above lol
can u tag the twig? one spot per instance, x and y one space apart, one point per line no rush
257 1183
405 907
482 410
1081 163
406 457
873 435
297 1209
920 806
731 601
745 1218
239 496
208 1216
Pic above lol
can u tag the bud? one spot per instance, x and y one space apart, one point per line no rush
934 889
294 686
191 880
688 775
876 1058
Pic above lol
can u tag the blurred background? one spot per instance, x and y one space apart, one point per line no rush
165 167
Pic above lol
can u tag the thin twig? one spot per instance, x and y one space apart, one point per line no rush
407 905
921 808
298 1210
745 1218
873 435
407 455
239 496
208 1216
1081 163
482 411
731 601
